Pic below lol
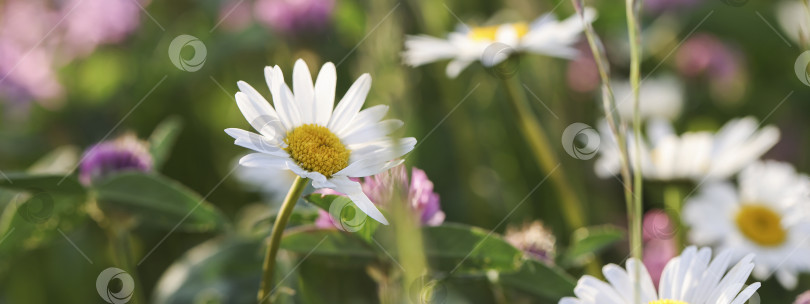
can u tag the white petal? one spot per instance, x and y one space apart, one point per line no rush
350 104
283 98
264 161
256 109
787 278
304 91
746 294
354 191
374 132
366 117
325 94
423 49
455 67
255 142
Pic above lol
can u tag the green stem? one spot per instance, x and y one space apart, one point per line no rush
120 244
635 68
275 237
673 204
544 155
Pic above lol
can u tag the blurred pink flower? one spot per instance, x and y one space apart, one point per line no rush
235 15
803 298
583 75
417 191
706 54
39 36
295 16
659 243
89 23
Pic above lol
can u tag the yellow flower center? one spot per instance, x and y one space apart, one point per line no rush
667 302
761 225
487 33
317 149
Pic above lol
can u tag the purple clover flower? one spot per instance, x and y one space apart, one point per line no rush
534 240
416 190
109 157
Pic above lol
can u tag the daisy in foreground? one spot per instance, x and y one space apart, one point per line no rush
545 36
691 278
766 215
304 132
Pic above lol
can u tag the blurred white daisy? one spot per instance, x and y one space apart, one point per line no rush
301 132
766 215
660 97
691 278
545 36
794 20
694 156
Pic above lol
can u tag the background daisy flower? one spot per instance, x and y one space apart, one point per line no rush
693 278
545 36
766 215
692 155
304 132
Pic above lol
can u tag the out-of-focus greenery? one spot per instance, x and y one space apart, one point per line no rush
474 153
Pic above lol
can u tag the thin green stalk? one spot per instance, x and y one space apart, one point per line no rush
544 154
275 237
673 202
635 68
120 244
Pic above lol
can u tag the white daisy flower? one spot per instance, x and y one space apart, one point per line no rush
691 278
660 97
304 132
692 155
271 184
767 215
792 17
545 36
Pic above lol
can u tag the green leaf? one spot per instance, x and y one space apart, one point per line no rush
541 280
588 241
159 201
54 184
466 249
162 140
328 242
34 218
219 270
346 214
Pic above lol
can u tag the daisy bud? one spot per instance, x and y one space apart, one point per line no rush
534 240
